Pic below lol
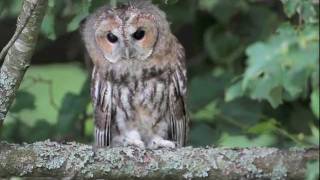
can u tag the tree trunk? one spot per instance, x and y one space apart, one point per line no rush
19 51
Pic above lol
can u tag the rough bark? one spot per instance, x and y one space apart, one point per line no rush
50 159
19 51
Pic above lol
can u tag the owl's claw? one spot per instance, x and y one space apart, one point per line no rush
132 138
135 143
158 142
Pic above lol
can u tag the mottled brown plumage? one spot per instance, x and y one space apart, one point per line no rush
139 77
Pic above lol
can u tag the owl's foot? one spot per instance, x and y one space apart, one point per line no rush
133 138
134 142
158 142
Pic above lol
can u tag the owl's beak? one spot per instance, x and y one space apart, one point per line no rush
127 53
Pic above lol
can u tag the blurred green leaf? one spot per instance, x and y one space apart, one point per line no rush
205 88
283 65
48 26
290 6
312 172
234 92
315 137
95 4
222 45
224 10
23 101
89 128
243 112
74 24
181 13
82 12
268 126
207 113
315 102
305 8
242 141
201 134
208 4
73 106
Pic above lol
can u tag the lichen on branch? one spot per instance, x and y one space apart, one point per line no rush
50 159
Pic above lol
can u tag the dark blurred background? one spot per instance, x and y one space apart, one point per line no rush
253 72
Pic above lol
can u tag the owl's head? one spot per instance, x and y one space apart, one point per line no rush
129 32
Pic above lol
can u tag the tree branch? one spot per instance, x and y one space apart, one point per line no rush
50 159
19 51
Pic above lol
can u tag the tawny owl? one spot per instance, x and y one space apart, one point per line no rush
139 77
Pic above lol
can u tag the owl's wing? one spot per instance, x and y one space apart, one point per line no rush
178 92
101 92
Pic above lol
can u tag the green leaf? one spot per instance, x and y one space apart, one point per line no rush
208 4
170 2
73 107
201 134
315 102
181 13
224 10
75 22
233 92
222 45
208 112
48 26
315 137
242 111
82 11
242 141
280 68
290 6
203 89
24 101
305 9
89 127
307 12
268 126
312 172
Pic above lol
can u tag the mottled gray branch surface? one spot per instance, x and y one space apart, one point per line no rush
19 52
50 159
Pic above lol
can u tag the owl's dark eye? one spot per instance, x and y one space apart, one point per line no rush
112 38
139 34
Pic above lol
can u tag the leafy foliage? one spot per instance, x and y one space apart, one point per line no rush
253 74
280 68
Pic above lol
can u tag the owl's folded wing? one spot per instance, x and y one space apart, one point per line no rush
179 119
101 92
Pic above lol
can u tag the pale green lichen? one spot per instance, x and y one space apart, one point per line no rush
25 158
279 171
228 159
48 157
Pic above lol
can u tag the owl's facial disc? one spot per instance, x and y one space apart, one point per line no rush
127 39
109 38
141 34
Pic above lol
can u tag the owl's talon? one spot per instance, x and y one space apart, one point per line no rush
134 143
158 142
